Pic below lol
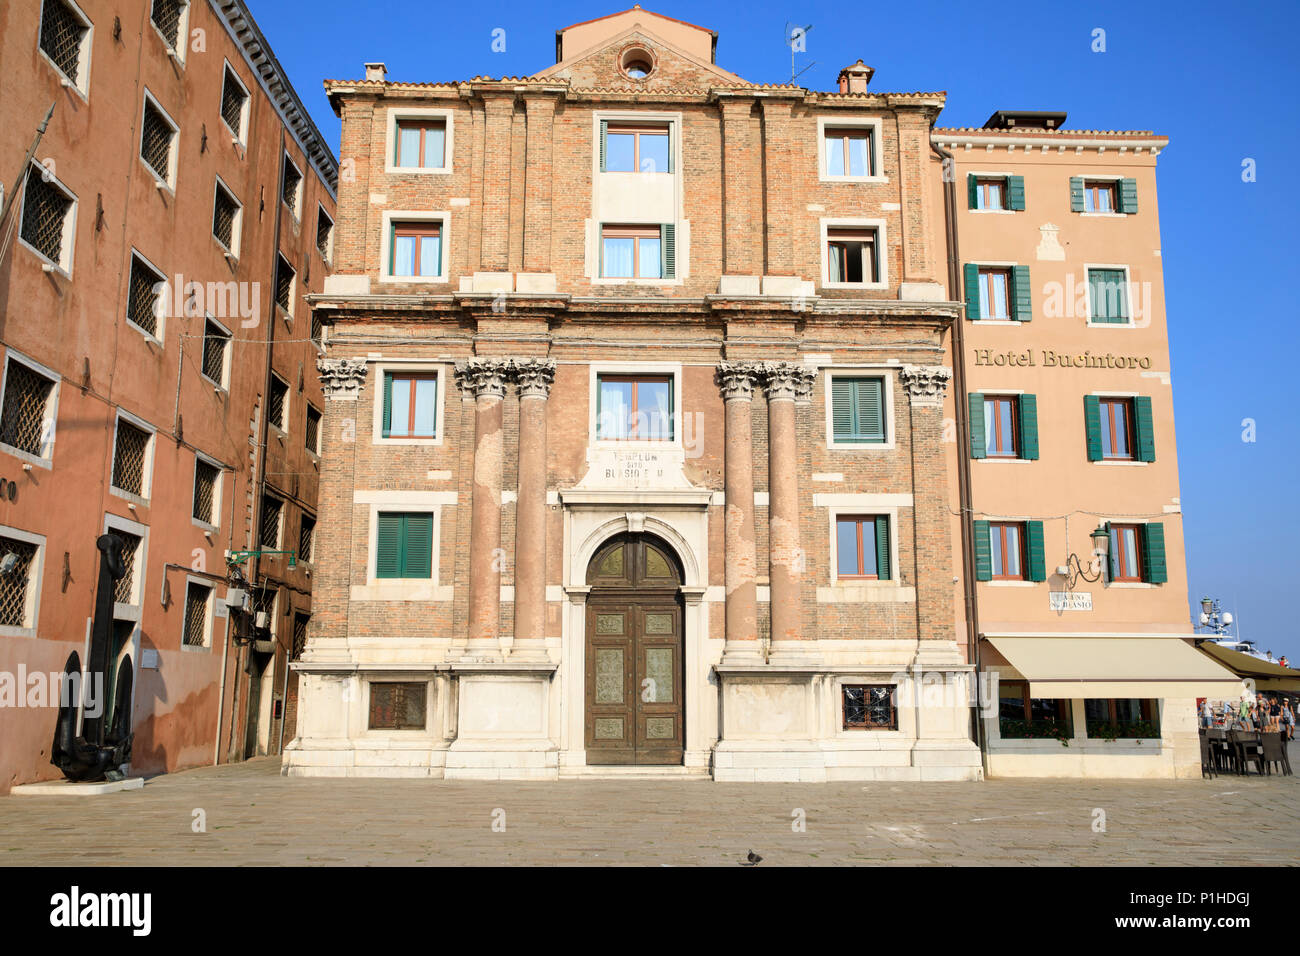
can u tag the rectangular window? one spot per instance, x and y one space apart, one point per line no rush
145 300
124 587
311 432
317 327
131 459
277 405
632 252
1023 717
234 100
198 599
991 193
850 152
15 585
634 408
857 411
299 635
1116 428
284 284
24 418
324 235
994 293
272 512
206 478
1099 196
851 255
1001 425
1125 552
225 219
63 38
416 249
636 147
292 191
306 538
421 144
862 547
1126 718
157 140
397 706
216 350
410 405
1108 296
404 545
1006 540
869 707
168 16
46 217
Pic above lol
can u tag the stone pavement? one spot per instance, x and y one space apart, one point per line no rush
254 816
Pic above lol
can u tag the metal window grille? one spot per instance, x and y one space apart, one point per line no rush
324 229
205 490
279 397
62 33
142 301
196 614
317 327
224 210
271 510
306 535
167 18
13 586
870 706
122 590
313 430
214 352
291 180
232 103
22 421
45 210
397 706
156 140
299 635
129 458
284 276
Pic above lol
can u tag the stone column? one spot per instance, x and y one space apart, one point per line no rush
486 378
785 382
737 380
533 378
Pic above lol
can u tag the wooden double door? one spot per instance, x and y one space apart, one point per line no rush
634 656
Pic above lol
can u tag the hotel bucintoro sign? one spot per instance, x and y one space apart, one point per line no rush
1052 359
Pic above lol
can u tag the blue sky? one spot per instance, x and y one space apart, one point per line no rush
1220 82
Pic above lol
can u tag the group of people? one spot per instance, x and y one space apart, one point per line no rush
1261 715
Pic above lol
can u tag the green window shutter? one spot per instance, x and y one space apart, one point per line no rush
417 547
972 191
388 403
1112 555
882 547
972 276
668 250
388 546
1143 429
978 437
1153 553
1076 194
1028 409
1092 422
983 552
1034 547
841 409
1022 302
1128 195
868 406
1016 193
604 128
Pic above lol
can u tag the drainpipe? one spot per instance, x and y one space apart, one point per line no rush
963 440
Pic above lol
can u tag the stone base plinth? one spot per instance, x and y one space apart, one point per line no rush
66 788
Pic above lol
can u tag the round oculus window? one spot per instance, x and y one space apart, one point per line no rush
637 63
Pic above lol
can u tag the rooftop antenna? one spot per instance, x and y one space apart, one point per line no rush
796 38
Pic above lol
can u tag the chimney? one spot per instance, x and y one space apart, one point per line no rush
376 71
854 79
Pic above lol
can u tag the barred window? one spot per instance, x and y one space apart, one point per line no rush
272 509
131 458
397 706
292 185
324 235
123 590
216 344
198 597
313 429
144 297
156 136
225 218
284 276
166 17
25 410
15 583
45 215
206 476
233 99
317 327
306 538
63 33
299 635
278 403
869 707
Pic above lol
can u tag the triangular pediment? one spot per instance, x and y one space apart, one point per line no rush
603 65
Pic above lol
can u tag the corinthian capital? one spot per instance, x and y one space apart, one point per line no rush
483 377
341 379
788 380
925 384
738 379
533 377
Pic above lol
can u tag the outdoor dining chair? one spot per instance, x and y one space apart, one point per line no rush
1249 749
1275 753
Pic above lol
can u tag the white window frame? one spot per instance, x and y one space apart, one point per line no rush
302 516
875 124
224 384
31 613
240 136
994 264
387 219
887 372
1132 322
1006 186
308 408
182 33
161 335
131 611
1115 178
402 589
293 287
68 245
396 113
51 411
173 151
320 211
413 733
296 211
82 86
217 488
870 506
146 471
597 369
882 251
209 624
441 368
237 226
279 529
283 426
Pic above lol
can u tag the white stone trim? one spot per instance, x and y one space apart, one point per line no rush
296 211
165 296
836 121
380 366
35 580
237 225
388 217
882 251
218 489
241 134
598 368
51 413
402 589
146 475
395 113
69 239
182 34
130 610
859 505
1132 322
173 150
224 384
81 85
886 372
209 617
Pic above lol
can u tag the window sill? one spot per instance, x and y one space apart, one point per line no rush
417 170
67 82
858 286
65 271
998 321
416 280
46 463
866 591
1127 324
614 280
826 178
1012 584
1131 585
203 525
170 187
130 496
860 446
196 648
1120 462
145 334
1003 460
996 212
216 386
17 632
401 589
230 255
1104 215
378 440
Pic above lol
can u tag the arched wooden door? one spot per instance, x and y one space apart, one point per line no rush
634 654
